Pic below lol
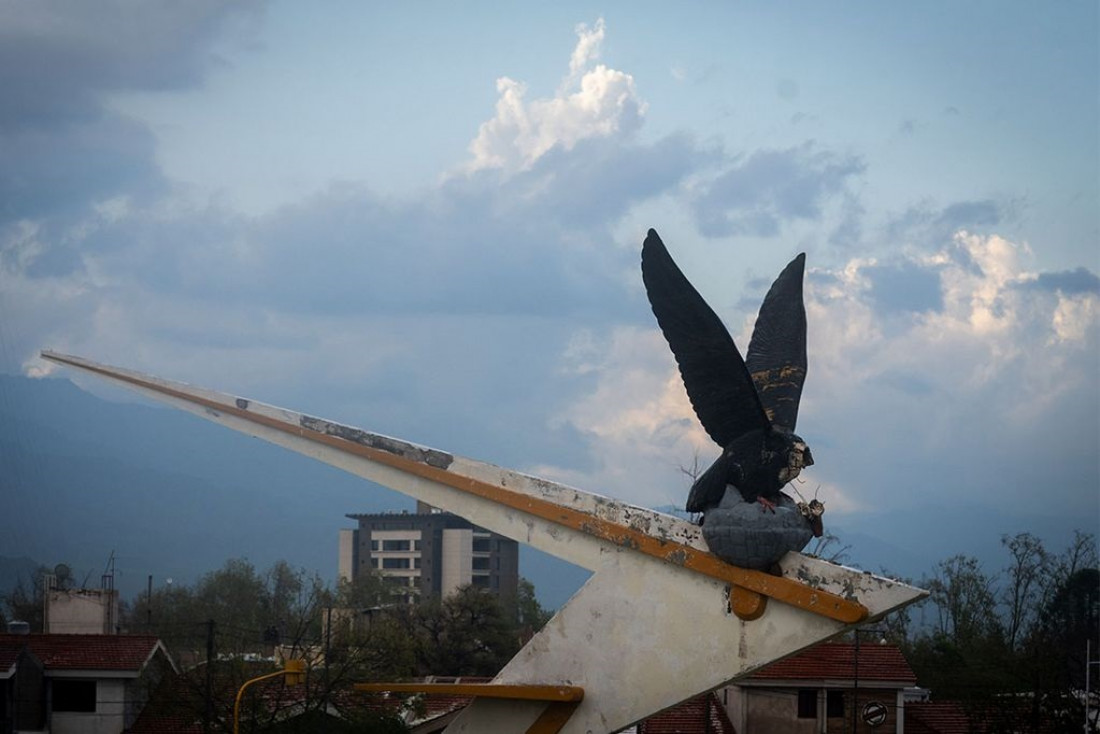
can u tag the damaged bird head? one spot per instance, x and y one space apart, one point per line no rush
798 458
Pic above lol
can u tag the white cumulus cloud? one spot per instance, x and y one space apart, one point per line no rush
593 101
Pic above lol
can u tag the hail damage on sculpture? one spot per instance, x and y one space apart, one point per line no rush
748 405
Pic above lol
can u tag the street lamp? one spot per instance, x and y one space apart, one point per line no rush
295 672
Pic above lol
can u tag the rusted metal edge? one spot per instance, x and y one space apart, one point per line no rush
515 691
782 589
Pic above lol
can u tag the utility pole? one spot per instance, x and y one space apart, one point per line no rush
1089 662
328 641
855 682
208 715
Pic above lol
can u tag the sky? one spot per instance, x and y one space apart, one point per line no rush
425 219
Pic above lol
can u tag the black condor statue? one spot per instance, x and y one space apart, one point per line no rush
749 406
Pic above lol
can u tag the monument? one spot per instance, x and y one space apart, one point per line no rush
662 618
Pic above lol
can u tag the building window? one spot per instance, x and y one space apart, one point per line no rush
416 545
416 562
395 545
395 563
77 696
480 564
374 563
807 704
374 545
481 545
481 582
834 704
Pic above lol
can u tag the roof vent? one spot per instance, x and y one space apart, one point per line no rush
16 627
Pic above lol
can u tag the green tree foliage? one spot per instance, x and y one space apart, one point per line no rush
353 633
530 617
468 633
1012 642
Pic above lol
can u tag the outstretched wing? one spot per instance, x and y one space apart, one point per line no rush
777 352
717 381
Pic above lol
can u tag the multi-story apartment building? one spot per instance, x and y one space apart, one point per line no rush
429 553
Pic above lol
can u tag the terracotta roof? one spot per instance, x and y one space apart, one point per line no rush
836 660
88 652
936 717
701 715
10 650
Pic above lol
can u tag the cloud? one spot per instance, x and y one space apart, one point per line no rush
1073 282
953 402
767 189
905 287
594 101
64 149
927 225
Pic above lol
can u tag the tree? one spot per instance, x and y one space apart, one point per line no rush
964 599
1027 582
467 633
25 602
530 617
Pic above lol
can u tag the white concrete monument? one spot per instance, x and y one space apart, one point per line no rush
660 621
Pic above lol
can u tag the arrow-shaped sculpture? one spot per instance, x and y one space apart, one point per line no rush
661 619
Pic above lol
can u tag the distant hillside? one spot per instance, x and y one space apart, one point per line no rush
174 496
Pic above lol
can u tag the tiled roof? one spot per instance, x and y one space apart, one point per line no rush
836 660
936 717
701 715
87 652
9 651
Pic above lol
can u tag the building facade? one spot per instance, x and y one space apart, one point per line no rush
429 554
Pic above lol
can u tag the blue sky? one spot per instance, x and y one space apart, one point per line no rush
425 219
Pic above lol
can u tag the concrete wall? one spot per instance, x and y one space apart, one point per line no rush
81 611
457 559
109 716
776 710
347 554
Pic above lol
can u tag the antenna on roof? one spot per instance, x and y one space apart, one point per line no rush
107 581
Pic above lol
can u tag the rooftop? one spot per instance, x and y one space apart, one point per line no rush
837 660
85 652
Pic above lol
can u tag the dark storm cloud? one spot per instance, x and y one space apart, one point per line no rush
905 287
57 57
62 148
50 172
770 187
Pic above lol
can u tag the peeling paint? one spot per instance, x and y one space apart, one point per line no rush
677 557
420 454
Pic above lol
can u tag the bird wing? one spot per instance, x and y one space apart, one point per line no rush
717 381
777 351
